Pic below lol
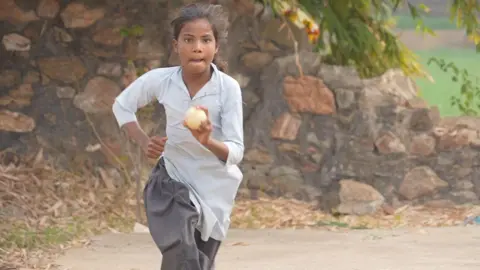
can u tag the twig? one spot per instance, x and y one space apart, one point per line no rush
120 163
295 45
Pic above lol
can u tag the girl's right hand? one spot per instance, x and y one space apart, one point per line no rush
155 147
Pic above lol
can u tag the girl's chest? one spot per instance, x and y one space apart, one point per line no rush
176 105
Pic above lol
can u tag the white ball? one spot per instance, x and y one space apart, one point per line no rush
194 117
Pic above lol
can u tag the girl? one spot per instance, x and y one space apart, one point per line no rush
191 191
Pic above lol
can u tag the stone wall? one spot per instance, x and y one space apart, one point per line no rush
351 144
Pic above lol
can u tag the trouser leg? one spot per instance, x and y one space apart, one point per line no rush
208 248
172 221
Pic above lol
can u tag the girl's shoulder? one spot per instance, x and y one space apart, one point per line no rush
228 82
161 73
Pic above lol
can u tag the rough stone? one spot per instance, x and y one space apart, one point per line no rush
257 60
308 95
421 120
65 92
9 11
64 69
448 140
421 181
17 43
61 35
345 98
22 95
108 36
241 79
422 145
98 96
77 15
48 8
258 156
389 143
110 69
358 198
286 179
8 78
16 122
286 127
31 77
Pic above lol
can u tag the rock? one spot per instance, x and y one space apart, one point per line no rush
16 122
340 77
250 101
65 92
357 198
345 98
389 143
286 179
257 60
464 185
108 36
129 75
455 138
286 127
258 156
420 181
417 103
9 11
241 79
8 78
421 120
149 48
31 77
109 69
17 43
77 15
98 96
48 8
440 204
63 68
61 35
308 95
22 95
465 196
255 177
268 46
422 145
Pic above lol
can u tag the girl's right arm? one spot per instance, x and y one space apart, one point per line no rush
138 94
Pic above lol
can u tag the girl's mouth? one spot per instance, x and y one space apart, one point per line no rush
196 60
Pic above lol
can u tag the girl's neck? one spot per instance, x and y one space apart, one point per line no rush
195 82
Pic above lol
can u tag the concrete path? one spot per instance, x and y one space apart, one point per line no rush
455 248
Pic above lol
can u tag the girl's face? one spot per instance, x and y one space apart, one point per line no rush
196 46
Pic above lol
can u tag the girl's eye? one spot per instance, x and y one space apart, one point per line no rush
207 40
187 40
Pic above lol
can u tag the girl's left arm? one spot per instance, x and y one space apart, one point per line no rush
231 149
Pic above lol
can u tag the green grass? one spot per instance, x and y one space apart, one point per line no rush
405 22
439 92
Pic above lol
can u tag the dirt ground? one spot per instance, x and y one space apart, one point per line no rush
452 248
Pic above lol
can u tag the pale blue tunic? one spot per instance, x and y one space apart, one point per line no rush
213 184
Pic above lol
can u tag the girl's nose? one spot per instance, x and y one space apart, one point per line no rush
197 46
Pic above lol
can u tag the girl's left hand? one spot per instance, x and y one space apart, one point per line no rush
202 134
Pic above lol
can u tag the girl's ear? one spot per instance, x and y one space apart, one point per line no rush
175 46
216 49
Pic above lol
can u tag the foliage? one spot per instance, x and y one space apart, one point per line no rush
469 100
359 32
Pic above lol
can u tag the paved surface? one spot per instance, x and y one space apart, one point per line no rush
455 248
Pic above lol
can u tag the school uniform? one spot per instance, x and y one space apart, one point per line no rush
190 193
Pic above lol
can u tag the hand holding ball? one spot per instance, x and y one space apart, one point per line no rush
194 118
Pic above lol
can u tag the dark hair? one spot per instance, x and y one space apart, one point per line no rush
215 15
